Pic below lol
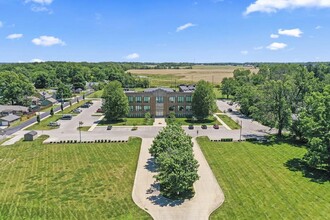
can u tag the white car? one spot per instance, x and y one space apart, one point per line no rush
54 124
77 110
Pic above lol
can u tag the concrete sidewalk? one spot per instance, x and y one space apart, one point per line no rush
146 195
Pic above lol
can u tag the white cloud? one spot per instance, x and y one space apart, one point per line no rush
37 61
270 6
1 24
258 48
35 8
318 27
277 46
292 32
47 41
274 36
244 52
185 26
42 2
132 56
14 36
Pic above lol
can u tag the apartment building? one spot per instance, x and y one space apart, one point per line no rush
160 102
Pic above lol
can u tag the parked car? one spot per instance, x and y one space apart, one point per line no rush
191 127
230 110
86 105
77 110
54 124
109 127
204 127
66 117
99 110
89 103
216 126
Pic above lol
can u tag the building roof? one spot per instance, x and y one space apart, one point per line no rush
33 133
155 89
4 108
187 88
52 100
10 118
45 95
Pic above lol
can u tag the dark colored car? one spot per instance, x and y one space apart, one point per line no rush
99 110
109 127
230 110
216 126
204 127
191 127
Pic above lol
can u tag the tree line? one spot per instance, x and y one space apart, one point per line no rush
289 97
17 81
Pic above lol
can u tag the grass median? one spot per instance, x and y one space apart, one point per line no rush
267 181
228 121
69 181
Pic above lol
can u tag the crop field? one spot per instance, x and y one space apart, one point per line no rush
77 181
267 181
173 77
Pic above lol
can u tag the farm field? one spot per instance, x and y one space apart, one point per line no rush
173 77
266 181
77 181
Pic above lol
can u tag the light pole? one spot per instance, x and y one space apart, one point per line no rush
240 132
80 124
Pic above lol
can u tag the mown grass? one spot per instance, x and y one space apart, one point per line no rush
96 94
77 181
267 181
127 122
44 124
230 122
189 121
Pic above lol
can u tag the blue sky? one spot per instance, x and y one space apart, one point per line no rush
165 30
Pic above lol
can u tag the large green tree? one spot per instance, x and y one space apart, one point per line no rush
115 104
14 88
176 165
229 86
315 120
273 106
63 91
204 100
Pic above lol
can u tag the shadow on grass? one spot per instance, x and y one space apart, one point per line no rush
316 175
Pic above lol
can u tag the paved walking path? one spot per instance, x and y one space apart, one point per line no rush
159 122
208 197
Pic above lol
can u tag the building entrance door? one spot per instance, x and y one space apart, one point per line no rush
159 106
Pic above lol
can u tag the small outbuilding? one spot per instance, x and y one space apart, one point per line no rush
31 136
7 120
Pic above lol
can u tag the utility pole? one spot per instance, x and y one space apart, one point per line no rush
240 132
80 124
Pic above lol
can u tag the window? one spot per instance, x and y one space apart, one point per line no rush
171 99
188 108
130 99
180 99
180 108
171 108
146 108
131 108
188 99
160 99
138 99
138 108
146 99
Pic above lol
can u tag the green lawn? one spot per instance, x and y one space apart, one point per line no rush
97 94
230 122
128 122
188 121
267 182
77 181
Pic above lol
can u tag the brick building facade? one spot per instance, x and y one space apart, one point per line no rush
160 102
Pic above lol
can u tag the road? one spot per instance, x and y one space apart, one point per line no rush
10 131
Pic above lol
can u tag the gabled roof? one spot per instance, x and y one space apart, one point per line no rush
13 108
155 89
52 100
10 118
33 133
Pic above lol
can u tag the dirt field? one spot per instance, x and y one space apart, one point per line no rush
213 74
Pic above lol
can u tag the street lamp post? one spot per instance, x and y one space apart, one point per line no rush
80 124
240 132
